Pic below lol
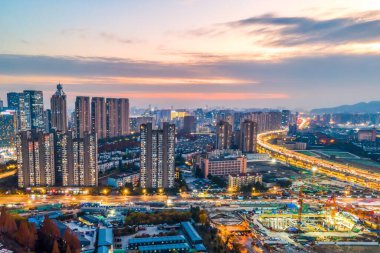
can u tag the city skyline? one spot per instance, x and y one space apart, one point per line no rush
250 54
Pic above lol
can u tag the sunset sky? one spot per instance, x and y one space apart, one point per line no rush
192 53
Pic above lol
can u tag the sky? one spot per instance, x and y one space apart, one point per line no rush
296 54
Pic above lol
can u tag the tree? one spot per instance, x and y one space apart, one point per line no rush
32 236
68 249
71 240
22 235
3 216
203 217
55 247
50 229
10 225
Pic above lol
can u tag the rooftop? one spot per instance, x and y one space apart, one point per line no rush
164 247
105 237
157 239
190 230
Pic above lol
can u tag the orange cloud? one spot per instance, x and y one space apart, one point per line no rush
221 96
152 81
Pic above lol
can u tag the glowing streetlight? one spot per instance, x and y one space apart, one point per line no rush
144 191
314 169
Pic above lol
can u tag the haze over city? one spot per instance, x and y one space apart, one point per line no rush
189 126
188 53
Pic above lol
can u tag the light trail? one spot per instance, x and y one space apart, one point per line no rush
343 172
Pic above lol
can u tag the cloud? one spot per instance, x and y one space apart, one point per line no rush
362 27
114 37
306 82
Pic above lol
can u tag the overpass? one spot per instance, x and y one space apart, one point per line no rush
332 169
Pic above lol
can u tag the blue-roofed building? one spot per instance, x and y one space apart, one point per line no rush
103 249
165 248
200 248
105 239
89 220
191 234
135 243
38 219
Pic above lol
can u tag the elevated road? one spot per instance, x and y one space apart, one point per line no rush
342 172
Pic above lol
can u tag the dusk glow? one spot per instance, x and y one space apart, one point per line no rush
282 51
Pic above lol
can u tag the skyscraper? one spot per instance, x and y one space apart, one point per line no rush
56 159
117 117
223 135
58 105
157 157
34 109
189 124
285 118
13 100
47 120
35 159
1 105
82 116
98 117
248 136
8 129
22 124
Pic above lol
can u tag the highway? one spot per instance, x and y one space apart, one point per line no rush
332 169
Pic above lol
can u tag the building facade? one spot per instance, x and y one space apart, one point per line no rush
223 135
221 166
157 157
117 117
35 159
8 129
82 116
58 104
236 181
248 136
33 106
98 117
189 124
56 159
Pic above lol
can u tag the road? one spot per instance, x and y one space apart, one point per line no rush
34 200
8 174
347 173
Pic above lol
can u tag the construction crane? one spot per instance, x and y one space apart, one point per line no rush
204 193
332 205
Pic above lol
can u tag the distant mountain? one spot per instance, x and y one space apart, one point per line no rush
370 107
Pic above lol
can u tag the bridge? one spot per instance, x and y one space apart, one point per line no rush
343 172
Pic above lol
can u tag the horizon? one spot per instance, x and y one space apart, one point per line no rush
298 55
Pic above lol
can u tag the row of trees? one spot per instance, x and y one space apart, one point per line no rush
24 233
169 217
47 239
50 238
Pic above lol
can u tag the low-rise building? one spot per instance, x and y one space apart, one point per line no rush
136 243
236 181
121 180
223 163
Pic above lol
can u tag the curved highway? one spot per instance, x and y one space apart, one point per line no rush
343 172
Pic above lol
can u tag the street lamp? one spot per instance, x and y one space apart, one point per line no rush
314 169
